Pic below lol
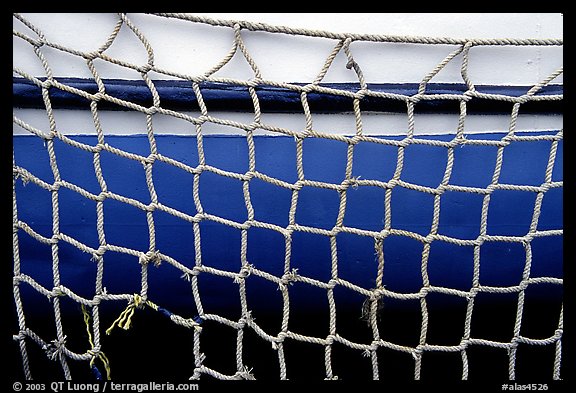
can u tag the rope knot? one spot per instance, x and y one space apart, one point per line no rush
354 182
461 140
188 323
417 352
330 339
57 292
246 319
244 272
151 256
281 337
54 348
146 68
246 374
94 352
124 321
151 110
21 335
23 177
96 255
290 277
91 55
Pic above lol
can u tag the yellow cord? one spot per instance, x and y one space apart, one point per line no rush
100 355
124 321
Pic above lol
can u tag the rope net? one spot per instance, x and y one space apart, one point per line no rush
197 322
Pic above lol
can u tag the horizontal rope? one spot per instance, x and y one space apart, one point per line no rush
360 37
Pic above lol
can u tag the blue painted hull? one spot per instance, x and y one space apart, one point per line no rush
450 265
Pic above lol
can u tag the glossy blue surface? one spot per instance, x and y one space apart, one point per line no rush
450 265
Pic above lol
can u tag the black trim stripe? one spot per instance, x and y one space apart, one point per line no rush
179 95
